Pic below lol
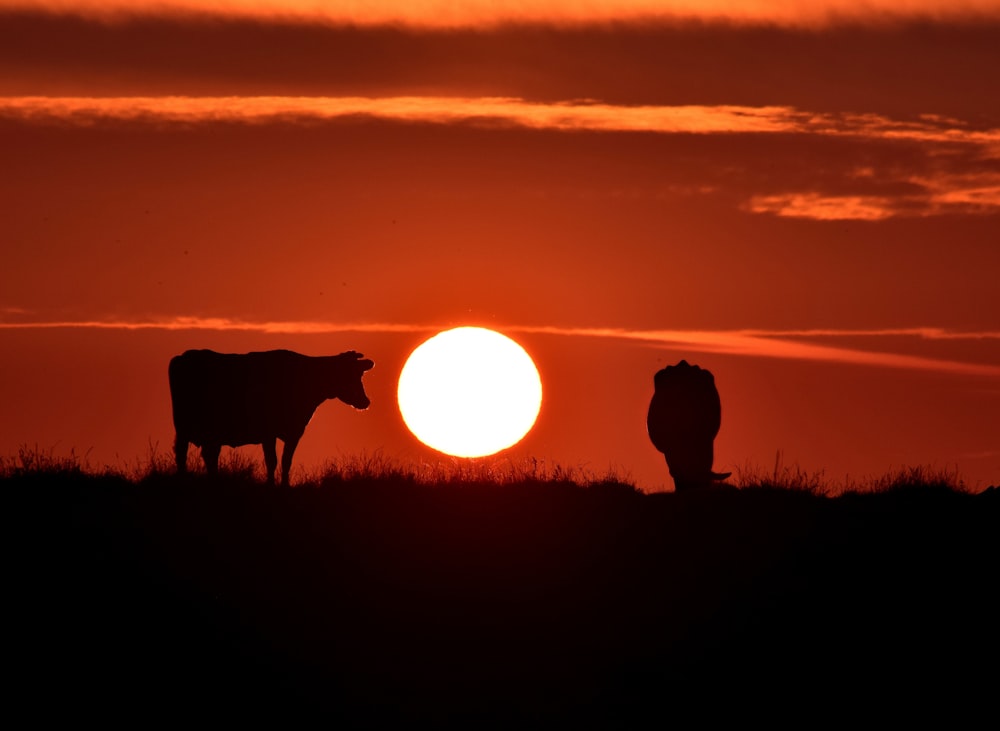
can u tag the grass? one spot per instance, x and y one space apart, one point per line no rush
918 477
497 471
368 467
33 459
789 479
363 467
793 478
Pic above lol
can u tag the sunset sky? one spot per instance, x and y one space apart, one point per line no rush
802 197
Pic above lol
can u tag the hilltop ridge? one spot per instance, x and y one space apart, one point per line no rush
387 600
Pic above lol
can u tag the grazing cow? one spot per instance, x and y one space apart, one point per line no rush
256 398
684 416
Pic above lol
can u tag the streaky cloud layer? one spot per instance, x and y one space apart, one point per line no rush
821 207
771 344
745 342
570 115
583 114
935 190
299 327
445 13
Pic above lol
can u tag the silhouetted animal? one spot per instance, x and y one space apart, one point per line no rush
683 419
255 398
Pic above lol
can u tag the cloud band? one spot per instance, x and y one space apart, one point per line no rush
486 13
779 344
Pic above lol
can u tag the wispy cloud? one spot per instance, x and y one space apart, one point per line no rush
957 170
962 192
298 327
775 344
585 114
446 13
820 207
922 333
942 193
569 115
781 344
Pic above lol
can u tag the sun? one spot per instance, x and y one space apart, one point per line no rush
469 392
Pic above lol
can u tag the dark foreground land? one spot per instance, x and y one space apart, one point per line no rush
472 605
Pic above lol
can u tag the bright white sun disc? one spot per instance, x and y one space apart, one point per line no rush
469 392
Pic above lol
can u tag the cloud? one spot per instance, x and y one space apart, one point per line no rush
470 13
584 115
922 333
774 344
946 193
569 115
977 191
298 327
953 168
823 207
750 343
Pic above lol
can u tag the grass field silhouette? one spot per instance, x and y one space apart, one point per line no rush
492 596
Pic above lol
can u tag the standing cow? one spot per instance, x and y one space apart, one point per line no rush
683 419
256 398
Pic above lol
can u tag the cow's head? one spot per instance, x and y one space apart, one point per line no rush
348 386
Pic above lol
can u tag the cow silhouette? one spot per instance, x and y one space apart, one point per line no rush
683 420
234 399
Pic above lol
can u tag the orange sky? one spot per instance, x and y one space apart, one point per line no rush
803 198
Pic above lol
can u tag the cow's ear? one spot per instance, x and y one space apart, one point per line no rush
366 365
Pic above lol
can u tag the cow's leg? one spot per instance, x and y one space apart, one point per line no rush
270 459
181 454
286 457
210 454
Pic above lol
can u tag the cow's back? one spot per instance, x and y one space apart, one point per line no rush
229 398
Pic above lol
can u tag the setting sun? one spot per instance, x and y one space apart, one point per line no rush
469 392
